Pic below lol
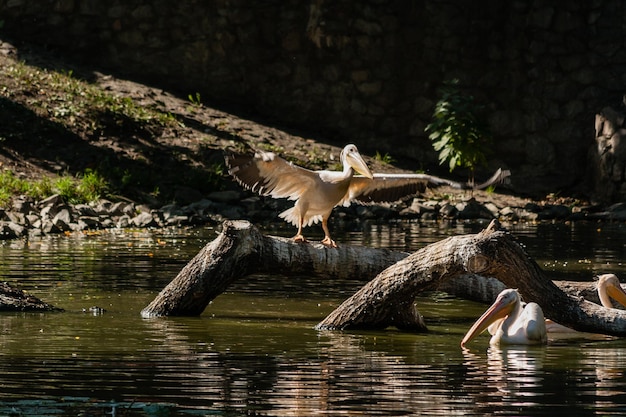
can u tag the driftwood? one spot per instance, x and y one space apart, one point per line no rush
13 299
458 264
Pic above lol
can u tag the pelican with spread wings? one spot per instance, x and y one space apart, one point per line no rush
317 192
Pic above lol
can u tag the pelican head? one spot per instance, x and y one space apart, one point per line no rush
501 308
351 158
610 288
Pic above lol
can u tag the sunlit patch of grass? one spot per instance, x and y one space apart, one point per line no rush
87 187
69 100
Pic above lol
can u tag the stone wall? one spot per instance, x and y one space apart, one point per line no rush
608 160
368 72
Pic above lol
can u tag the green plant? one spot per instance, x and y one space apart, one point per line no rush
195 99
385 159
456 132
66 188
91 186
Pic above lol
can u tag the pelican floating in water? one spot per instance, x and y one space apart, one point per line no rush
318 192
511 322
609 289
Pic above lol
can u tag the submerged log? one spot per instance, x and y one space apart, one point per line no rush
14 299
457 265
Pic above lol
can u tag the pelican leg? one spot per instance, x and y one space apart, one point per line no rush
327 240
299 237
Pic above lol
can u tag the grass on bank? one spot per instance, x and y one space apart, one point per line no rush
85 188
70 101
91 112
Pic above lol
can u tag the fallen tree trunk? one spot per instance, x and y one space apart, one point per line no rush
14 299
241 250
485 289
493 253
457 265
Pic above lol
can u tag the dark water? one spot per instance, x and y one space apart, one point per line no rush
254 350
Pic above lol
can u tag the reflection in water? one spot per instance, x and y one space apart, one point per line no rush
512 374
255 351
581 376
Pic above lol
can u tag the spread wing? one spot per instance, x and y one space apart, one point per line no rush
387 188
268 174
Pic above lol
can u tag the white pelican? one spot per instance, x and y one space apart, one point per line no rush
318 192
609 288
512 322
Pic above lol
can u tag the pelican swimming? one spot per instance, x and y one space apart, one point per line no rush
318 192
609 289
511 322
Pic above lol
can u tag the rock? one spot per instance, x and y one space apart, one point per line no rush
85 210
63 215
120 208
448 211
473 210
123 222
22 205
510 214
493 209
144 219
422 208
48 227
89 223
102 206
11 230
53 200
158 217
61 224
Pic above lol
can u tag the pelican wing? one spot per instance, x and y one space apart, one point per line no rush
387 188
268 174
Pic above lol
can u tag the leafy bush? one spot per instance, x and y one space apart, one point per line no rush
461 139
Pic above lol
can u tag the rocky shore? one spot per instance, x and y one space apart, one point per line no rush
28 218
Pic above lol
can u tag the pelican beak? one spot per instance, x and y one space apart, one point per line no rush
497 311
357 162
617 293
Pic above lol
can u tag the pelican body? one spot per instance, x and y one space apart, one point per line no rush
511 322
317 192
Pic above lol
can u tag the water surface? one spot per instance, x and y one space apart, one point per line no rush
254 351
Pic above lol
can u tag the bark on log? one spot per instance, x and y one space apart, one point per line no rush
456 265
13 299
492 253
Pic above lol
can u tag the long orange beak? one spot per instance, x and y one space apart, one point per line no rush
357 162
497 311
617 293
